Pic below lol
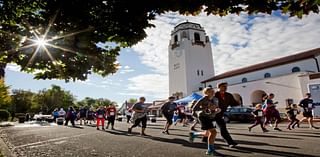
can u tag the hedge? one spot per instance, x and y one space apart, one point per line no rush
4 115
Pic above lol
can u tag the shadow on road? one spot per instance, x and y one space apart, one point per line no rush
265 136
271 152
253 143
76 127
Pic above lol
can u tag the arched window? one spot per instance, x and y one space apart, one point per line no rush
196 37
201 72
176 38
244 80
266 75
184 34
295 69
198 72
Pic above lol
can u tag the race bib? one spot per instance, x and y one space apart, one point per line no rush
111 113
310 105
100 116
260 114
295 112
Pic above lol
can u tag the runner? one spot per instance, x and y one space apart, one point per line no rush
139 115
292 112
90 116
258 115
308 105
70 116
194 115
226 99
128 115
207 108
82 115
100 114
271 112
111 114
182 118
168 110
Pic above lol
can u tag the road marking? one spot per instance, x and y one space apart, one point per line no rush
50 140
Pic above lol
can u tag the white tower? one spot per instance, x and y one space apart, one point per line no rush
190 59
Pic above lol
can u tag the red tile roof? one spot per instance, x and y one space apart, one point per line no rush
276 62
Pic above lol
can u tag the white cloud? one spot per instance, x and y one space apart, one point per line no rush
110 82
242 40
154 85
13 67
238 41
86 82
126 69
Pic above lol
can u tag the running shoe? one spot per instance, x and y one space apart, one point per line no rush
165 132
233 145
277 129
213 153
191 137
129 130
249 129
143 134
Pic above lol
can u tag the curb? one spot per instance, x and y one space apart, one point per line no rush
4 148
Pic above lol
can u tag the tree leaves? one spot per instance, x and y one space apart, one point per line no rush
76 26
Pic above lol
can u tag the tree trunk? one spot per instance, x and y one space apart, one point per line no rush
2 70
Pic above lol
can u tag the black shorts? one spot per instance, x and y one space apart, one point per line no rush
307 114
168 116
206 123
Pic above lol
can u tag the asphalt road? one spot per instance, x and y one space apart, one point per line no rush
58 141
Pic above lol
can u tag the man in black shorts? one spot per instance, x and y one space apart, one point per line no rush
168 110
307 105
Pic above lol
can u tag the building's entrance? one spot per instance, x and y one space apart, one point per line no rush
256 97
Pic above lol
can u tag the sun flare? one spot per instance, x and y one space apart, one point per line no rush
41 42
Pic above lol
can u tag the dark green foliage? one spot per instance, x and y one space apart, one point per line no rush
84 23
4 115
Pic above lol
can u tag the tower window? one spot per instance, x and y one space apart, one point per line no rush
201 72
244 80
184 34
196 37
266 75
176 38
295 69
198 72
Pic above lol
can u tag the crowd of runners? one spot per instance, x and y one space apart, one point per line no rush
207 111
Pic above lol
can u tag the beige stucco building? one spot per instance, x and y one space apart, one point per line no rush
289 78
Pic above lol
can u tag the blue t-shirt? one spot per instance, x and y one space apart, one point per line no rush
139 106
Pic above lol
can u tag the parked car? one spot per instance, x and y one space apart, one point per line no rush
42 117
152 118
242 114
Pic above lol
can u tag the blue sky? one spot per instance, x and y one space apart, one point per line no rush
237 41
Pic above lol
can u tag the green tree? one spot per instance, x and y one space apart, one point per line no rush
132 100
5 99
72 29
21 101
55 97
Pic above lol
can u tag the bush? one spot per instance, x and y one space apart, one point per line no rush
4 115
